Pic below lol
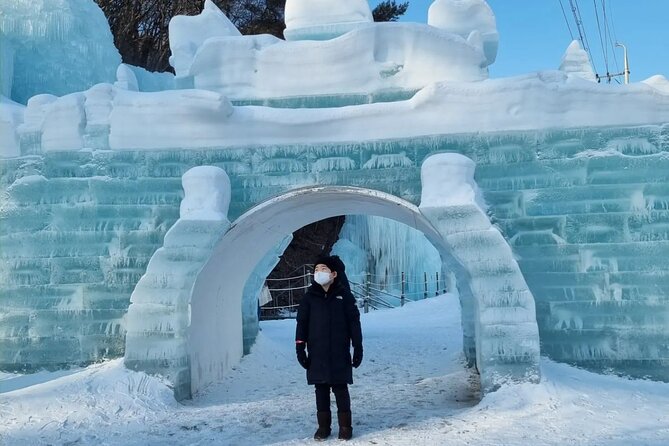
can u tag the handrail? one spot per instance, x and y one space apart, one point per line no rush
372 294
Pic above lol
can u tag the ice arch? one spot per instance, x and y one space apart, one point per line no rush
185 319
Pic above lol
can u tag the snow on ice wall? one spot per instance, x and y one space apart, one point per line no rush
383 61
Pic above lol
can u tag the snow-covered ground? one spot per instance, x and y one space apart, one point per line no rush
412 388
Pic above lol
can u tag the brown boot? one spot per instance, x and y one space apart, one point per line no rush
345 428
324 422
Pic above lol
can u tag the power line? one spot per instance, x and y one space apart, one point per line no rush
601 39
564 14
581 29
607 32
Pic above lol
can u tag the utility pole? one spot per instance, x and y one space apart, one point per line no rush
626 71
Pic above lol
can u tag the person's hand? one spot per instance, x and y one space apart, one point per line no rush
301 351
357 357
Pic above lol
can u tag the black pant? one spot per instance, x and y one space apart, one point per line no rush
341 396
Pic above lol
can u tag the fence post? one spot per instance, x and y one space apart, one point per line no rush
402 293
367 295
436 290
425 285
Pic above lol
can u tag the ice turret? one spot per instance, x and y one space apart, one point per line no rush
658 82
324 19
187 33
57 47
576 62
464 17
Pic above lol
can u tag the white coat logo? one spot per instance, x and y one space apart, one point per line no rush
340 298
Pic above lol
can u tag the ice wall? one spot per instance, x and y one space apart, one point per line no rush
59 46
583 208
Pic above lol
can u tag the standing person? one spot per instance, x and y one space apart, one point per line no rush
328 323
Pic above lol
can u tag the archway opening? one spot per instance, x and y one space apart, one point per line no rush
216 303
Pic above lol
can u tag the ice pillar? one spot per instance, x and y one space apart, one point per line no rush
159 317
498 313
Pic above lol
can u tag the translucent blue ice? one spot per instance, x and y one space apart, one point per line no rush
586 212
58 46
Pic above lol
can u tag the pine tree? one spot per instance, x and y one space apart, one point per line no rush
389 11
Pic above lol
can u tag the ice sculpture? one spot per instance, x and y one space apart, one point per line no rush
188 33
577 63
574 174
59 46
384 60
324 19
471 19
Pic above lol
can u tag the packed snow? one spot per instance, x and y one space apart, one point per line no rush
412 388
324 19
576 62
464 17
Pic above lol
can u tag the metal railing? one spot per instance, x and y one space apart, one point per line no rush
369 294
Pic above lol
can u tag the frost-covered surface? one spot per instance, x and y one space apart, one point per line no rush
411 388
59 46
198 119
129 77
339 51
187 33
577 63
584 210
471 19
658 82
324 19
371 59
11 116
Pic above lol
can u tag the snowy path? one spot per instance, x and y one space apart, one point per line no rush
411 389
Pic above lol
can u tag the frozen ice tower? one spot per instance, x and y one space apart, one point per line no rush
58 47
324 19
577 63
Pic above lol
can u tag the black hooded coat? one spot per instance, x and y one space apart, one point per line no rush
329 323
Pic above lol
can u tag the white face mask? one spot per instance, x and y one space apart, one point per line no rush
322 278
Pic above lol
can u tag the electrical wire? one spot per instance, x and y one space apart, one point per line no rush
576 10
607 32
564 14
601 41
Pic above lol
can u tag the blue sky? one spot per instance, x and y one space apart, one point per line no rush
534 35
